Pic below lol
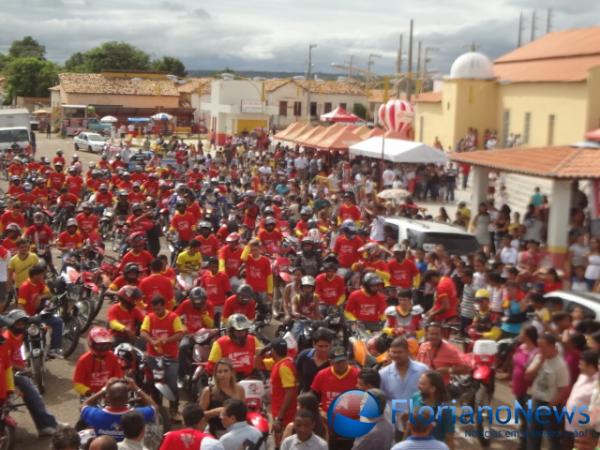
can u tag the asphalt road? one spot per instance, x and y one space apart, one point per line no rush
63 402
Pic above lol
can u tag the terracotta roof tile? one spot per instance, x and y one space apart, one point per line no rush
332 87
97 83
376 95
429 97
550 162
564 56
275 83
200 85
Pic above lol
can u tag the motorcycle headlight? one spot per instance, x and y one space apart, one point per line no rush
158 374
33 330
201 338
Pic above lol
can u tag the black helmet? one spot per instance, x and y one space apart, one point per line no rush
181 203
131 267
245 293
198 296
372 279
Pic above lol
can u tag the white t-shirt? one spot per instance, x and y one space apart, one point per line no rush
509 255
388 177
552 376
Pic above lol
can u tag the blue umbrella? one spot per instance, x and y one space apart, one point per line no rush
162 116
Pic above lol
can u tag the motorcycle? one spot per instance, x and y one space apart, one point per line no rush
106 224
197 378
8 425
68 307
34 351
256 396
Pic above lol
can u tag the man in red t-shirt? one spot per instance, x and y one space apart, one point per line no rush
403 272
445 303
330 287
216 284
87 220
138 255
157 284
183 223
348 210
332 381
71 239
347 244
98 365
270 237
241 303
259 274
230 256
192 436
125 317
367 304
209 244
284 388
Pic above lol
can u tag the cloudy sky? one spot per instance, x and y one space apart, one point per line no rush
274 34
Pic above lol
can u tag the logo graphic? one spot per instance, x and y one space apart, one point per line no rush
351 412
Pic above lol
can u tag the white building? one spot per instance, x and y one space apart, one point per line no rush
237 106
291 97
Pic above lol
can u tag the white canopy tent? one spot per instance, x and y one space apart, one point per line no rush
398 150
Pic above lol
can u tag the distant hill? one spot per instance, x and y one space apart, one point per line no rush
260 73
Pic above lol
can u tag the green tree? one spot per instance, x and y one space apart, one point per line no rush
30 77
76 63
112 56
359 110
4 60
169 65
27 47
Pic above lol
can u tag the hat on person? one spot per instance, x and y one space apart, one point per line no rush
482 293
338 354
280 346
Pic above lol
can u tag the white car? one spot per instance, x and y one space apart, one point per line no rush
425 235
588 301
91 142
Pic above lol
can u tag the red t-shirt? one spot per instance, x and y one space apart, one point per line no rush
41 235
366 308
104 198
216 287
94 372
186 439
29 297
446 289
129 319
184 225
329 385
165 326
271 240
208 246
329 291
74 184
70 241
8 217
87 223
347 250
142 259
402 274
232 260
193 317
232 306
157 284
349 211
257 271
283 375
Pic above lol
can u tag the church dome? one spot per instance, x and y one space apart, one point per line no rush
472 65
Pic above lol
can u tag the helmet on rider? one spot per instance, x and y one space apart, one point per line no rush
232 238
245 293
181 205
205 227
137 208
17 321
71 223
307 283
129 296
238 326
13 227
348 227
104 187
100 341
27 187
306 212
38 218
198 297
372 282
131 268
270 223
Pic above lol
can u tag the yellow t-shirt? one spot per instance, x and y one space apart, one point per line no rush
187 262
21 267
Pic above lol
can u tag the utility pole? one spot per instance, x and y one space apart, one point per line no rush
399 68
308 76
520 36
350 67
532 26
549 21
418 71
370 63
410 56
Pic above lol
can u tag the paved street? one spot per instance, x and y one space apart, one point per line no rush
63 401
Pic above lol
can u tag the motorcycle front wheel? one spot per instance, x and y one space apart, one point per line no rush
156 429
7 437
37 373
484 427
71 333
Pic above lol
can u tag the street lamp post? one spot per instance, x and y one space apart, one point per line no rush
308 76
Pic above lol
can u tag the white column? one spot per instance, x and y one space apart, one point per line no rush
558 222
479 187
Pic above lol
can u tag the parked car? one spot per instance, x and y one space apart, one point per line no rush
94 124
91 142
587 301
425 235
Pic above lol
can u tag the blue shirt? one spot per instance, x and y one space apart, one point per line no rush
397 388
513 309
106 422
419 443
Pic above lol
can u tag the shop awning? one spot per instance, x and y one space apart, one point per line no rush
398 150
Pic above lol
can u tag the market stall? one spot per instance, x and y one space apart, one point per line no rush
338 115
398 150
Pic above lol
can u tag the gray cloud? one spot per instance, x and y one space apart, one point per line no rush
274 34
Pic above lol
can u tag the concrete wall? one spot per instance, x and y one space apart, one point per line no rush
128 101
430 122
566 101
593 95
473 105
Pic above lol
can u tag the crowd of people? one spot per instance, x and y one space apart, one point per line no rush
229 215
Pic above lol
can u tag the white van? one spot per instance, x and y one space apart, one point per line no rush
425 235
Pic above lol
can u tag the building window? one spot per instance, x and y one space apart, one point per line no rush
283 109
343 105
297 109
313 109
505 126
327 108
551 119
421 128
526 128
